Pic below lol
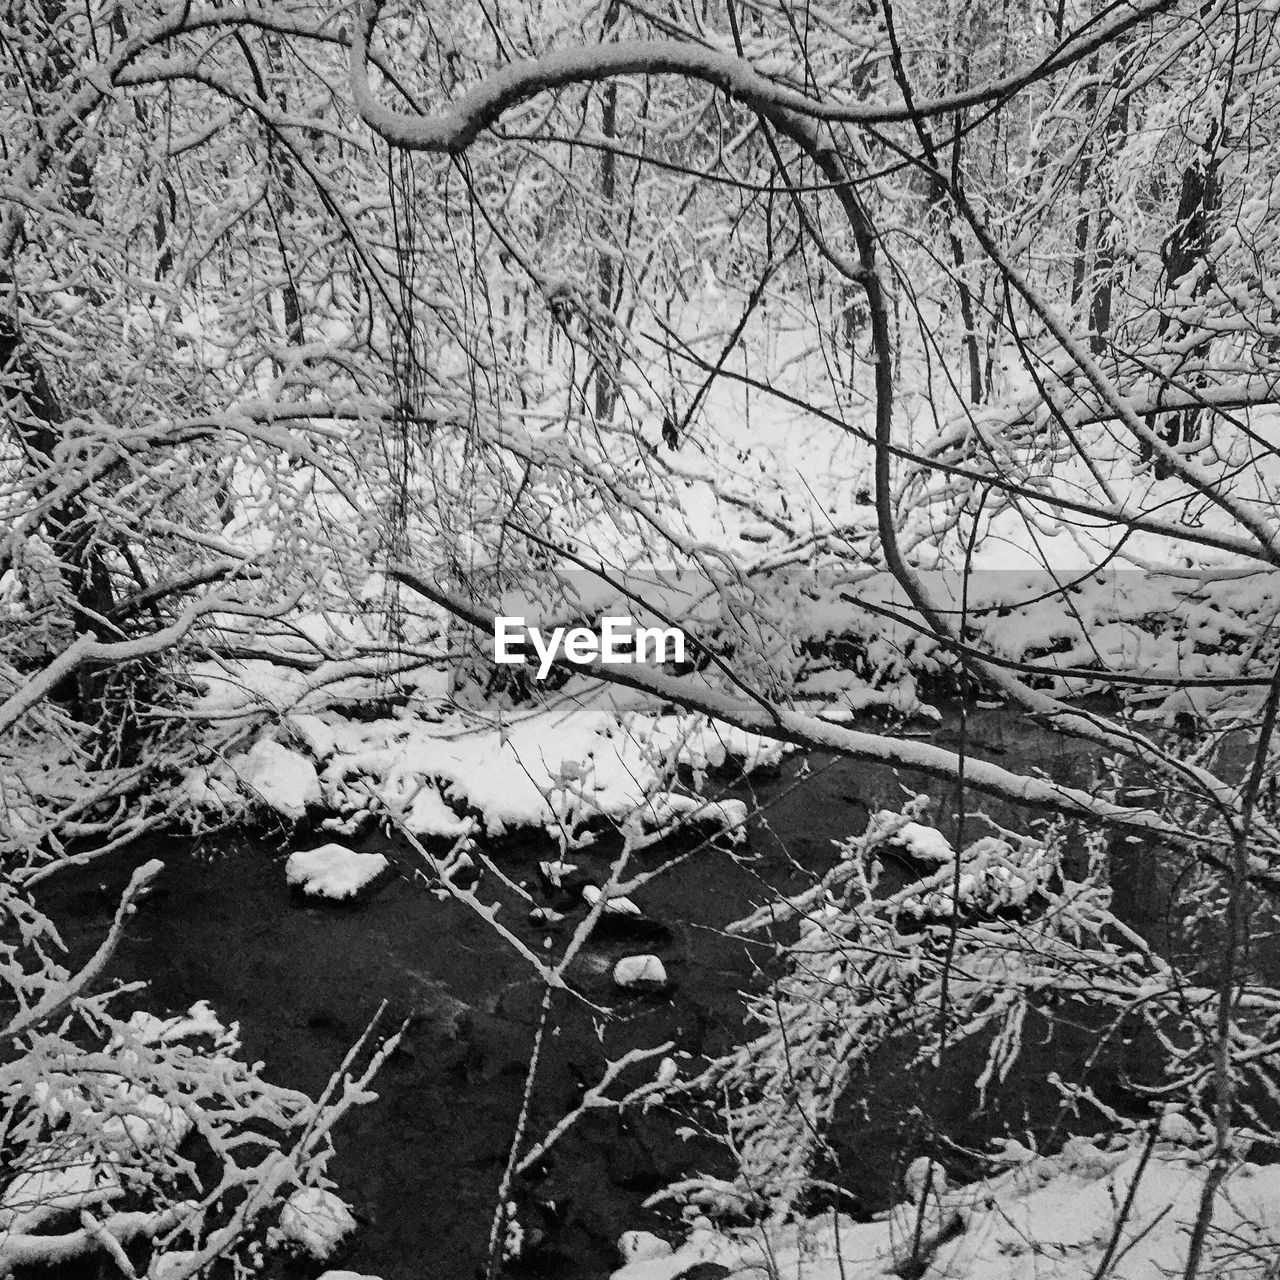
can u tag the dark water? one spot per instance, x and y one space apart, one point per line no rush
422 1165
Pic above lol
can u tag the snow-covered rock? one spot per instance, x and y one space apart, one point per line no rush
641 1246
1010 1151
926 843
730 816
667 808
144 1121
616 906
667 1073
316 1221
333 871
127 1116
1175 1127
284 780
459 869
640 973
314 734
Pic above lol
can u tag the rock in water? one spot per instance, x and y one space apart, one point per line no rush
333 871
642 1246
640 973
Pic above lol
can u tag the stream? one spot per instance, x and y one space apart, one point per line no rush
421 1166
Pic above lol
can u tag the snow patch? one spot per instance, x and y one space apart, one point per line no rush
667 808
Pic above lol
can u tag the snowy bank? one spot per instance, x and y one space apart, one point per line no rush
1049 1218
446 771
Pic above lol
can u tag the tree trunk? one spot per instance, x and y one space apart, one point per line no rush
34 416
607 372
1185 248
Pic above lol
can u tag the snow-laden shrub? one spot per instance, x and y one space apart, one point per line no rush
148 1140
958 952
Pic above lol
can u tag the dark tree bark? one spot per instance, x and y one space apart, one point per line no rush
1185 249
606 379
35 418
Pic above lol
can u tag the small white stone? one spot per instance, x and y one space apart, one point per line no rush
640 972
641 1246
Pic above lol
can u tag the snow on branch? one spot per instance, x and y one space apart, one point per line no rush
786 725
58 996
452 132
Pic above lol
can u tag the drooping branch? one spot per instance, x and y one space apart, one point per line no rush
453 131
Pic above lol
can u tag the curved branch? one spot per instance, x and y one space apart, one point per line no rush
453 131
